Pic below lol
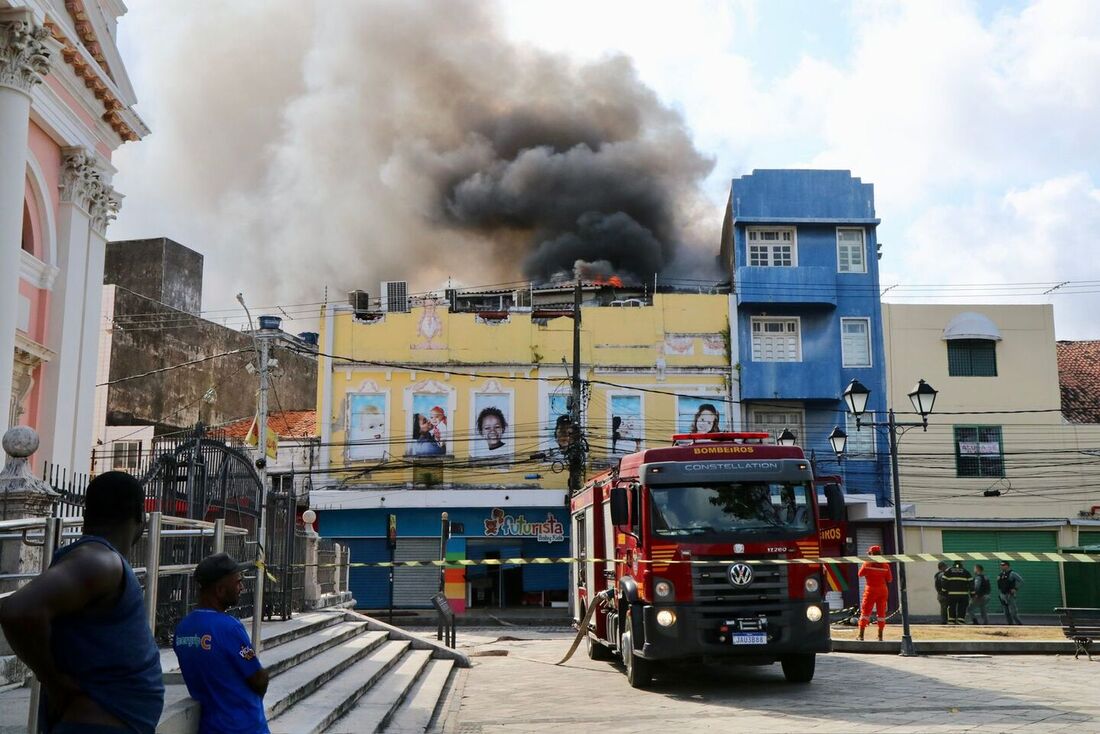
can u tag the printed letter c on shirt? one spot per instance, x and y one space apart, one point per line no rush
204 642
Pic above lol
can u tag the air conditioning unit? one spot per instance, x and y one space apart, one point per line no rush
360 302
395 296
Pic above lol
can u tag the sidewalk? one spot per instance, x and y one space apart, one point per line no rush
508 617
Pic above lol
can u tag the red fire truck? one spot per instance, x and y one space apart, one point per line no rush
714 499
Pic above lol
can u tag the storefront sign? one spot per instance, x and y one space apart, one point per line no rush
501 525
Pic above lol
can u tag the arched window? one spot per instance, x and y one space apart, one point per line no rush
971 345
28 230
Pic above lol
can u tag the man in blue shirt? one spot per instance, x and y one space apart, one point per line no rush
216 657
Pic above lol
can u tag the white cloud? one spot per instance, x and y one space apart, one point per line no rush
1042 234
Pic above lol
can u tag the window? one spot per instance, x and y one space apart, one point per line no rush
126 455
774 421
850 251
776 340
972 358
979 451
855 342
861 443
771 247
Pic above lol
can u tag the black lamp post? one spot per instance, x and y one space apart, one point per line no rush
787 438
923 397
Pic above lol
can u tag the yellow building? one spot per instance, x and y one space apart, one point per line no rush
457 405
999 468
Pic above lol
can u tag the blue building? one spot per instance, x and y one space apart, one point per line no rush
801 249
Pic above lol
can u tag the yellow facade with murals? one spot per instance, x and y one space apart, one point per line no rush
438 398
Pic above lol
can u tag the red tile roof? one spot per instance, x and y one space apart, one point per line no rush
287 423
1079 378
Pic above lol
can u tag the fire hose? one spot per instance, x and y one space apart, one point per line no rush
600 600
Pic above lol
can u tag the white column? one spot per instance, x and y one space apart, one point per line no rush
104 208
79 185
24 58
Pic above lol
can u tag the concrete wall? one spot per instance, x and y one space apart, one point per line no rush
1050 466
148 336
159 269
677 345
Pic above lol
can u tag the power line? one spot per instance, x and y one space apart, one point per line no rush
173 367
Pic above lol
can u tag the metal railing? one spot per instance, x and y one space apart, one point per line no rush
49 533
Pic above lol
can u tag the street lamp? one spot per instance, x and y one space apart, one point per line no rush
923 397
839 440
787 438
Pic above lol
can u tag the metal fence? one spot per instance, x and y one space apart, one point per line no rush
200 477
326 565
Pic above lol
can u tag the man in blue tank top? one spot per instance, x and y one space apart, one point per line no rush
81 626
216 657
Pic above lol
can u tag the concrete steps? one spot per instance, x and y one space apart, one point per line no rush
337 671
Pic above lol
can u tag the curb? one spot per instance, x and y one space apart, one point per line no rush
958 647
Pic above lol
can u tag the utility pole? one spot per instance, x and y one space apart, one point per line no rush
576 445
261 466
269 329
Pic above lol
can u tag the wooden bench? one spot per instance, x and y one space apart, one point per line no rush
1082 625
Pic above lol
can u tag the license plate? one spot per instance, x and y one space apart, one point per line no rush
749 638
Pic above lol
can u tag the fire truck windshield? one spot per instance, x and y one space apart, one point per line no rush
731 508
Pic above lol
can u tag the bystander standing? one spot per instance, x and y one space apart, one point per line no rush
216 657
81 626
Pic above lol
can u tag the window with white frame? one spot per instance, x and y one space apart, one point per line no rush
772 247
861 443
776 339
774 421
855 342
126 455
850 250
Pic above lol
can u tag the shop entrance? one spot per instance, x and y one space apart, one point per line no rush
493 587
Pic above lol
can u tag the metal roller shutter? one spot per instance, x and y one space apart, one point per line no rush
545 577
1042 587
413 586
369 586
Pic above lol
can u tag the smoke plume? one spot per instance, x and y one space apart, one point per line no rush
340 143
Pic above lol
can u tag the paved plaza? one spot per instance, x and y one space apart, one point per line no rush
523 691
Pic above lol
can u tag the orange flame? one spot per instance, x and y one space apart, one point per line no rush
614 280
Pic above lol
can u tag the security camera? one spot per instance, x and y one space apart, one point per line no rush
261 463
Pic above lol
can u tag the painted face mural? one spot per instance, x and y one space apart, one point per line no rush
367 433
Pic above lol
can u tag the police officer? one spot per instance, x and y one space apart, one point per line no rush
956 584
1008 585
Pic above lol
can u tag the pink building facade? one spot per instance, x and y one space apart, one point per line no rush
65 106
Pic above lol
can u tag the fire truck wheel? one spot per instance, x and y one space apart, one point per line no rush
596 650
639 672
799 668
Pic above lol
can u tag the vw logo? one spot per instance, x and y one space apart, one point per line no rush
740 574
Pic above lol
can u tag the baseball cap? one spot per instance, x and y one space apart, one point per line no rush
213 568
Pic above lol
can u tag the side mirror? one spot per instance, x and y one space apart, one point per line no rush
620 512
834 503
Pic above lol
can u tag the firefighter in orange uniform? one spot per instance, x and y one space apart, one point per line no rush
877 575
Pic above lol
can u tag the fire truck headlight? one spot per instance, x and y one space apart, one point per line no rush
663 589
813 613
812 584
667 617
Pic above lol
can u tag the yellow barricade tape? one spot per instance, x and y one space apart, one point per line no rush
893 558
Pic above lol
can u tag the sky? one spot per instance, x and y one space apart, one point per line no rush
975 121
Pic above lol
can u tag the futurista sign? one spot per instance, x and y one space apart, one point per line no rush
501 525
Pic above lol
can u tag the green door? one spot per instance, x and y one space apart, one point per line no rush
1042 587
1083 579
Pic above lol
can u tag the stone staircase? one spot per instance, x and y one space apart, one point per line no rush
337 671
